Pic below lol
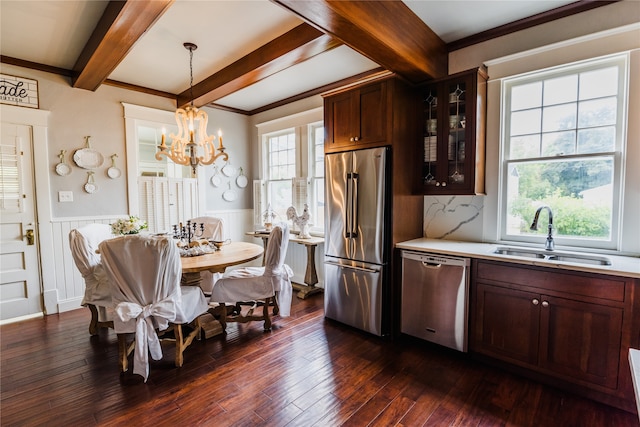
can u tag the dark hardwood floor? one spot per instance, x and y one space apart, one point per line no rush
307 371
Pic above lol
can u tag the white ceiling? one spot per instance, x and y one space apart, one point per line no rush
54 33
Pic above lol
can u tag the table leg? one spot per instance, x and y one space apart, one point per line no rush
310 276
190 279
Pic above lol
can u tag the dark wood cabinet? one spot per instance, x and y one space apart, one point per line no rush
453 129
357 118
572 327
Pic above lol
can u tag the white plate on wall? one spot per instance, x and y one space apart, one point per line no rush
229 170
63 169
113 173
88 158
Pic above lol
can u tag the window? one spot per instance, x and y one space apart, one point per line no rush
564 148
316 138
292 168
281 169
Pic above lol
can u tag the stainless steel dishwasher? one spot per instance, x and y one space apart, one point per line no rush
435 298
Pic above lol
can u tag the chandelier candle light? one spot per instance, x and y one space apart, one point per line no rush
186 145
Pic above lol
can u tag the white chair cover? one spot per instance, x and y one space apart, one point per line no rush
84 242
213 229
145 272
251 283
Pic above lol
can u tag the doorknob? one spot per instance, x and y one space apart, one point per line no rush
30 237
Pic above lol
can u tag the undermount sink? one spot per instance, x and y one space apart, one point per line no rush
562 256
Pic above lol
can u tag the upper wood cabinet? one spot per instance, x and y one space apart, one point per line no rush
357 118
453 128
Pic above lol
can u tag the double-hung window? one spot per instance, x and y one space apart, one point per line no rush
292 169
281 169
564 133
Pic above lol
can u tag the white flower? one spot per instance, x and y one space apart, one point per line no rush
131 225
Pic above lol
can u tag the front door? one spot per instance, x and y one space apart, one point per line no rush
20 290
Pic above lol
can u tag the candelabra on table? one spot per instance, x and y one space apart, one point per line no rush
189 232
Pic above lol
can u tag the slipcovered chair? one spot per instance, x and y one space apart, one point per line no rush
148 299
84 242
213 230
263 286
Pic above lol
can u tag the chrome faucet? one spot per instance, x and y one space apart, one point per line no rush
549 245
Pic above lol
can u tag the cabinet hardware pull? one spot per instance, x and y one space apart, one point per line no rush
356 138
545 303
351 139
535 301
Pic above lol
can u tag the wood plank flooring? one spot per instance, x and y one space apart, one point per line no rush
307 371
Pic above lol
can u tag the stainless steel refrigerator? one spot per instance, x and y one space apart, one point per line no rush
356 239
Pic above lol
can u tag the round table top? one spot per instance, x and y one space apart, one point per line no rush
231 254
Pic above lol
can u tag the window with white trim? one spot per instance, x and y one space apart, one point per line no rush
564 133
292 169
281 169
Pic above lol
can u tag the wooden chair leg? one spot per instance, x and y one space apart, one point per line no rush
93 325
122 353
177 330
265 313
183 342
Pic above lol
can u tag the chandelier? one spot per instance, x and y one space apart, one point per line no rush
192 146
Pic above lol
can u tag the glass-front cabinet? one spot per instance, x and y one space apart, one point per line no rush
454 111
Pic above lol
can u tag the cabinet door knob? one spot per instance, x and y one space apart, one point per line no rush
356 138
351 139
437 184
444 184
535 301
545 303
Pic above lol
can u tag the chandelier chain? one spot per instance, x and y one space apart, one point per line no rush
191 73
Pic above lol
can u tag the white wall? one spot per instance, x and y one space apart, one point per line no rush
605 30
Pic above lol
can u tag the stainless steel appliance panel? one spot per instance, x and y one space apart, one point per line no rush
353 294
435 295
356 197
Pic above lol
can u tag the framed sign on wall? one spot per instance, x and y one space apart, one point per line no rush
18 91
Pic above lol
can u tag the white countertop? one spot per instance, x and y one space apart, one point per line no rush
620 265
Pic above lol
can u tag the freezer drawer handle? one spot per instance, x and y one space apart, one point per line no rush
353 267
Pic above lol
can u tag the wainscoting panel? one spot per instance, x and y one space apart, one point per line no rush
69 281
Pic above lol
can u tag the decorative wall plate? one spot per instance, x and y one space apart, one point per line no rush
90 187
113 172
241 180
215 179
229 195
62 168
229 170
88 158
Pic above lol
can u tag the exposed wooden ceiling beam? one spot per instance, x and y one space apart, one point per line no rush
293 47
119 28
387 32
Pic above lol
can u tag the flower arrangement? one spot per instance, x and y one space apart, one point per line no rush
131 225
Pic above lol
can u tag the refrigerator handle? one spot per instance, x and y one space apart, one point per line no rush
353 267
348 207
354 205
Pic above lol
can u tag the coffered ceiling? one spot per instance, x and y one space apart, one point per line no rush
252 55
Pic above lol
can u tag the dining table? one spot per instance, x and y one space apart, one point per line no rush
228 255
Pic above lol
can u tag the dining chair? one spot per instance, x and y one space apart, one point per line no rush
84 242
214 230
265 286
148 300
